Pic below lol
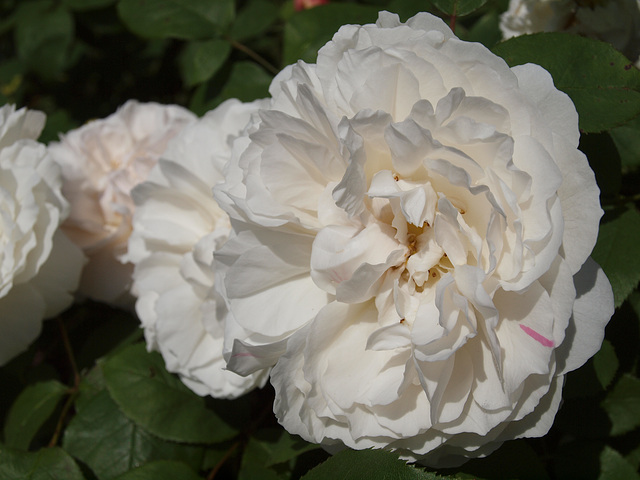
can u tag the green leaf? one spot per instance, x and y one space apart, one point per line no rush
254 463
102 437
627 140
200 60
605 363
599 79
617 250
605 162
158 401
623 405
367 464
43 37
159 470
31 409
614 467
186 19
82 5
46 464
253 19
309 30
281 446
459 7
633 457
247 82
91 385
269 447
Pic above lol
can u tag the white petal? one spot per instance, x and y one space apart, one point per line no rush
591 312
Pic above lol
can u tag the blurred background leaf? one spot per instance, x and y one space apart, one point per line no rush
158 401
604 87
32 408
45 464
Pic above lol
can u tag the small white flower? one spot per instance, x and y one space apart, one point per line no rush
39 266
101 162
412 223
177 226
614 21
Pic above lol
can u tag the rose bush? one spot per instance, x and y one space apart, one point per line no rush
39 266
613 21
101 162
412 223
177 226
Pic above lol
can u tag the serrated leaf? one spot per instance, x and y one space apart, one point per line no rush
367 464
46 464
308 30
617 250
458 7
158 401
43 37
102 437
161 470
200 60
185 19
31 409
600 80
614 467
623 405
253 19
605 363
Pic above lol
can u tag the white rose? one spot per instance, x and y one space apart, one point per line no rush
412 223
614 21
101 162
39 266
177 226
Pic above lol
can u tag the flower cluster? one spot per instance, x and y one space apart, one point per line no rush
39 266
398 239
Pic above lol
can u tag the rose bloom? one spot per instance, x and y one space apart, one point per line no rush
177 226
101 162
39 265
614 21
412 223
